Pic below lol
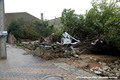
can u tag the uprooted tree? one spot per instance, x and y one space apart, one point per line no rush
102 20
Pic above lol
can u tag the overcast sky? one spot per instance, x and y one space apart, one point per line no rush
50 8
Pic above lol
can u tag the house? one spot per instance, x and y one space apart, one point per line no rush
9 17
56 22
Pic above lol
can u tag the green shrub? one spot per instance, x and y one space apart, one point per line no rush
22 31
15 29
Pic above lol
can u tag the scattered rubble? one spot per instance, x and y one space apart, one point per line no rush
66 49
106 69
102 66
112 69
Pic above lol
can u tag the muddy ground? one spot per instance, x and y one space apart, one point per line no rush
109 64
83 60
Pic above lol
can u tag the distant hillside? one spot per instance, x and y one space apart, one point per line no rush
9 17
57 23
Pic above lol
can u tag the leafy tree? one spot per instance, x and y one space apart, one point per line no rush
75 24
69 20
92 22
44 29
38 26
47 30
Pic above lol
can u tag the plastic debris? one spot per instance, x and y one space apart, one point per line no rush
96 41
67 39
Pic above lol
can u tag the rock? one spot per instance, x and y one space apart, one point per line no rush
106 68
116 62
117 66
93 65
36 44
67 51
118 69
47 47
112 66
11 39
103 64
39 51
115 69
73 52
99 69
30 45
94 69
76 56
111 74
24 43
95 59
97 72
91 70
118 74
100 63
106 73
91 58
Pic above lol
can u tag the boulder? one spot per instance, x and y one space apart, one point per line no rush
39 51
11 39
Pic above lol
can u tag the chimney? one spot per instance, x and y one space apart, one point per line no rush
42 17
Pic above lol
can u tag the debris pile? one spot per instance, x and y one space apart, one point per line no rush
44 49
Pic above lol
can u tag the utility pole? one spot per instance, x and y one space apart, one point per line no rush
3 54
